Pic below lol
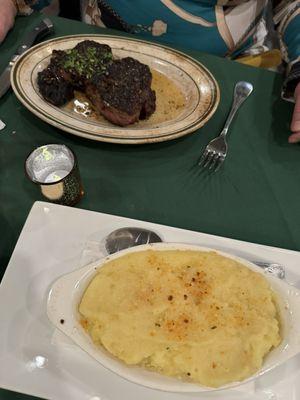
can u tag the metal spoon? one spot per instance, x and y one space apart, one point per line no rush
124 238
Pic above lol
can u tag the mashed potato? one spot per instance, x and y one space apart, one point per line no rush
198 316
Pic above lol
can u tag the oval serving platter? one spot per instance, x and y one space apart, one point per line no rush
198 87
65 316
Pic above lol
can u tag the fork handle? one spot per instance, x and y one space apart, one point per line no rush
241 91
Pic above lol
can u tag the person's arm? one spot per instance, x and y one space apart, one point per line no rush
295 124
8 11
288 19
10 8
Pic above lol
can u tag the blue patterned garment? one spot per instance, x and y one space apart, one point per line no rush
41 4
226 28
162 23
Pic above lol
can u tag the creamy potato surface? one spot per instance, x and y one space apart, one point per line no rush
198 316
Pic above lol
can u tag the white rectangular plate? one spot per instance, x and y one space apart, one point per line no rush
35 360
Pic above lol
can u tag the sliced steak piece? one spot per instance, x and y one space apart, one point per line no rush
54 87
83 61
123 94
71 68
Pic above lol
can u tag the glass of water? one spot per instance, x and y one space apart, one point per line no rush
54 168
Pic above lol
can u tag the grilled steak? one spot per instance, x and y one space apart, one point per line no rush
54 87
81 63
120 90
70 69
123 93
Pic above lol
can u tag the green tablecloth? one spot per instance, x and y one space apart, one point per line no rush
254 197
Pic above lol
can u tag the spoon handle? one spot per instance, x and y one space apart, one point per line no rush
241 91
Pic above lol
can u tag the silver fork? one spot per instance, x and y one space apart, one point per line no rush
215 152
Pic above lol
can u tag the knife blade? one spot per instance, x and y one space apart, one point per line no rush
43 28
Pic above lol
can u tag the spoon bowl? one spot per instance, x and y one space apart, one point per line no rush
124 238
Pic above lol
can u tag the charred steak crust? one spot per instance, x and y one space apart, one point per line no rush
83 61
149 105
120 90
70 69
53 87
123 93
87 58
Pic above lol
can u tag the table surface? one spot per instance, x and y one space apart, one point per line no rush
254 197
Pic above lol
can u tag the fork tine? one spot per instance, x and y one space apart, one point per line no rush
219 163
214 161
208 158
203 157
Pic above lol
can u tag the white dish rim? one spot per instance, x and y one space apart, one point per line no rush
64 315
